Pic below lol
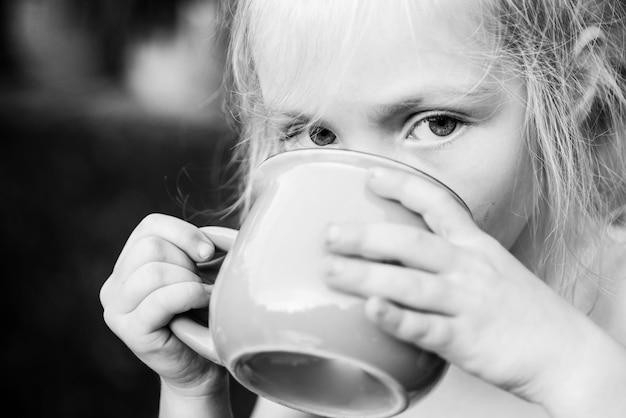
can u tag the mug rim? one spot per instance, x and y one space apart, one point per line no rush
401 398
342 155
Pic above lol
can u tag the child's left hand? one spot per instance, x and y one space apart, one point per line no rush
458 292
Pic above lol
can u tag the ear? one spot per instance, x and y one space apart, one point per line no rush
586 54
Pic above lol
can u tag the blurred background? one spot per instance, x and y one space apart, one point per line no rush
107 113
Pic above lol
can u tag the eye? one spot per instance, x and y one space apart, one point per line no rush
435 128
298 134
322 136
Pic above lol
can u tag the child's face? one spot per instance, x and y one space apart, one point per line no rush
414 89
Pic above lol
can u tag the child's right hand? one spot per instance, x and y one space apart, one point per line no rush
155 278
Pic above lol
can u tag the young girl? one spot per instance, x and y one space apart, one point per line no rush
518 106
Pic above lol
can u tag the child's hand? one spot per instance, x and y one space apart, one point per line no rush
456 291
154 279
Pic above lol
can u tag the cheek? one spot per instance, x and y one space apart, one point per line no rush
502 204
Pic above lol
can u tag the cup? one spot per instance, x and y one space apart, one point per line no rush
274 324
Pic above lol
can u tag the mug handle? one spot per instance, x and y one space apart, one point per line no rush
198 337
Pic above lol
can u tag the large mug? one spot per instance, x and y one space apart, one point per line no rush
274 324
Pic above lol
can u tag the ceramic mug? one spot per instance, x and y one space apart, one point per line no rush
275 325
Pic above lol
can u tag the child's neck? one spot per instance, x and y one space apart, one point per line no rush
524 250
581 265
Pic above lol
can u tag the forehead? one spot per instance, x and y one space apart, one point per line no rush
309 52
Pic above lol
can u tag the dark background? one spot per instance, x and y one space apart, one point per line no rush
84 158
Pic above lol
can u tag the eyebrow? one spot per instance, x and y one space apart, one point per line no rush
453 98
436 98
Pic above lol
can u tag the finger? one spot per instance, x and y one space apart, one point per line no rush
429 331
404 286
160 306
145 250
146 280
222 237
150 249
444 213
182 234
407 245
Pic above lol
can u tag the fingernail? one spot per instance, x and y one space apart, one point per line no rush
377 172
333 233
205 250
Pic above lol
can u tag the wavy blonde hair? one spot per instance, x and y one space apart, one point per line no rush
576 101
570 54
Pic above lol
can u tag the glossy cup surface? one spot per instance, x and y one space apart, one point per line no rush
279 329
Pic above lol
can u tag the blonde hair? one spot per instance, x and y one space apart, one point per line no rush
575 120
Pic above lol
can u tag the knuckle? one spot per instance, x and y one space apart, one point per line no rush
416 238
434 222
150 221
456 287
410 289
479 281
418 290
110 319
479 264
154 271
187 234
355 239
187 294
359 238
164 300
405 191
395 323
361 275
460 256
470 261
377 277
153 248
104 292
439 196
445 337
414 328
413 293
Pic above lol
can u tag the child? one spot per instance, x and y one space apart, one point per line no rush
518 106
